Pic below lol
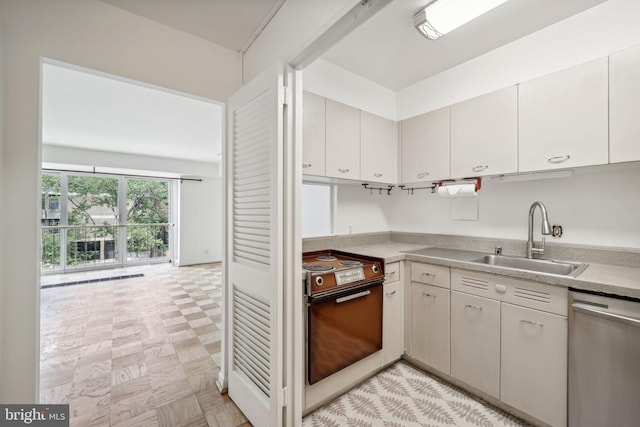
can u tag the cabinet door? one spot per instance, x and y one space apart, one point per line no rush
343 141
563 119
393 323
484 135
430 339
313 135
425 147
378 149
624 106
435 275
475 342
534 363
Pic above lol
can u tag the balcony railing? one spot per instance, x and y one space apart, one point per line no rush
81 247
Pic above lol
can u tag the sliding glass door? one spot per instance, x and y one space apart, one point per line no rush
91 221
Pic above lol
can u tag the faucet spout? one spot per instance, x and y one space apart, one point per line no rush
545 230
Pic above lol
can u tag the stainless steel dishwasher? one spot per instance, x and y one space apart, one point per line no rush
604 361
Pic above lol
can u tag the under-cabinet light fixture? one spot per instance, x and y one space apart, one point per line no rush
442 16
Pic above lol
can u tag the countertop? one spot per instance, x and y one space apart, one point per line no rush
622 281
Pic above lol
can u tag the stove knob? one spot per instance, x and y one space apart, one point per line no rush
374 268
319 281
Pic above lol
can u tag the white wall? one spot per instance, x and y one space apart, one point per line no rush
293 28
1 181
595 207
91 34
594 33
359 211
200 222
326 79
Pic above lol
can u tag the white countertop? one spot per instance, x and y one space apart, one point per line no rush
623 281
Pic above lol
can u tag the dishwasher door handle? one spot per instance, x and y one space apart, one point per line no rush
586 309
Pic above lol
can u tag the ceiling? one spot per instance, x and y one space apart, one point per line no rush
388 50
229 23
89 111
96 112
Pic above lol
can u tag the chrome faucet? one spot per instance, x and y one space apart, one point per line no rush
546 230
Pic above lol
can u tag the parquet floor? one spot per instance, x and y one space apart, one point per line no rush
142 351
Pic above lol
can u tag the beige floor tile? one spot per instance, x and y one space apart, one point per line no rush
148 419
127 373
100 418
132 406
179 412
91 402
229 415
118 351
171 390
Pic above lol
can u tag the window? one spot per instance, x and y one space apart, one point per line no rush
317 209
95 221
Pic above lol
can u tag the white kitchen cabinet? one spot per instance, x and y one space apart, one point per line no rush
563 118
393 322
378 149
313 134
534 363
475 342
484 135
425 147
431 274
343 140
430 320
624 106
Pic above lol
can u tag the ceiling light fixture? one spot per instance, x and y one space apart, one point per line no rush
442 16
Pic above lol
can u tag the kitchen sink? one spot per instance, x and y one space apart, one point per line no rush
562 268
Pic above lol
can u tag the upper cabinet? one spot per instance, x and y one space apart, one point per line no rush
378 149
343 141
563 118
624 105
484 135
313 135
425 147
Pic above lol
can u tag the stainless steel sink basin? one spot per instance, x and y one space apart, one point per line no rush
562 268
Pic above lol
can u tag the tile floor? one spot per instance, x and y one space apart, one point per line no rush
142 351
404 396
145 351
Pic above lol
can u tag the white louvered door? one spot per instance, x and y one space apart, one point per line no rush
255 221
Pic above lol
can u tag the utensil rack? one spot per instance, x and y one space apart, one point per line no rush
410 190
380 189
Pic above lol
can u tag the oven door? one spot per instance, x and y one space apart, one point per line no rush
343 329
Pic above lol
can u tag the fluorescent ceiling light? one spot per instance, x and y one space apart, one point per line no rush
443 16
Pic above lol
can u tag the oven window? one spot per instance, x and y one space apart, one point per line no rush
318 202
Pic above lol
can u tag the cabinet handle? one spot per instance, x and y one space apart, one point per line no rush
422 175
391 293
531 322
377 175
480 168
558 159
428 295
429 275
389 274
306 165
343 170
475 307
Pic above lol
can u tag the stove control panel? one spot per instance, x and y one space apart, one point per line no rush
344 277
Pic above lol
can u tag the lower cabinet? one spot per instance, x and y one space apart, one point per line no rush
534 363
475 342
393 324
430 332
